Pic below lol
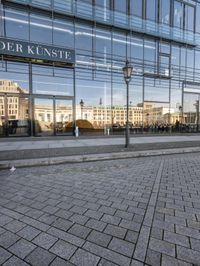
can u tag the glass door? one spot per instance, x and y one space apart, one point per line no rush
63 116
43 117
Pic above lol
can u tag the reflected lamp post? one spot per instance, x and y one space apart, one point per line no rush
197 115
127 70
81 104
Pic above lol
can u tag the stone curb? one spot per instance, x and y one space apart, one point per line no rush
93 157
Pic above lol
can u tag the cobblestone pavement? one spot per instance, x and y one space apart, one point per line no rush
143 211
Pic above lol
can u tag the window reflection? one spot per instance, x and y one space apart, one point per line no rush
63 33
16 24
164 12
40 29
151 9
136 7
52 85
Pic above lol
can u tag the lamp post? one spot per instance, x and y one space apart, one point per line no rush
197 115
81 104
127 70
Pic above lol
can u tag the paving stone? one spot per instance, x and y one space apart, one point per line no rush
121 246
14 261
125 215
29 232
60 262
188 255
153 258
48 218
63 214
7 239
169 261
107 210
34 213
4 255
110 219
104 262
195 244
50 209
2 230
176 239
175 220
162 247
80 219
63 224
15 226
115 231
130 225
78 209
4 219
63 249
40 257
131 236
157 233
92 206
187 231
77 241
136 263
94 214
39 225
79 230
107 254
45 240
22 248
95 224
84 258
99 238
142 243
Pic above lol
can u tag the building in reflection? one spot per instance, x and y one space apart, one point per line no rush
40 94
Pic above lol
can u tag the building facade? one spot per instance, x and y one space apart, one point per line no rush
61 66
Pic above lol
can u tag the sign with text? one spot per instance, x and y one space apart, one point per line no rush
36 51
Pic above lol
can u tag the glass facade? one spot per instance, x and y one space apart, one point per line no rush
161 38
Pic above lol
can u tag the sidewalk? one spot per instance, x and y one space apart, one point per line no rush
36 151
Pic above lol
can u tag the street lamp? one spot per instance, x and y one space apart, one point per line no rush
197 115
81 104
127 70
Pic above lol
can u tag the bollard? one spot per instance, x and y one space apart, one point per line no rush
108 131
76 132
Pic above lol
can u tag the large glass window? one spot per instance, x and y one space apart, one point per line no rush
15 79
136 7
63 33
120 6
184 15
102 9
119 45
93 104
103 42
84 35
52 81
16 24
164 12
40 29
136 48
178 14
151 9
189 17
150 56
156 90
175 61
198 17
